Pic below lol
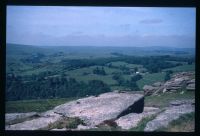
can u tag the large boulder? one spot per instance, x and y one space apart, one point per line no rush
181 102
191 81
148 89
180 80
91 110
171 113
35 124
153 89
107 106
191 87
12 118
157 84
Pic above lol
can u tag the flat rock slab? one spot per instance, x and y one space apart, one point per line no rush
81 127
42 122
11 118
94 110
131 120
181 102
170 114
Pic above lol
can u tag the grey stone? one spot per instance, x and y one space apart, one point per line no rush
170 114
191 87
94 110
148 89
158 91
39 123
157 84
191 81
131 120
81 127
12 118
62 129
181 102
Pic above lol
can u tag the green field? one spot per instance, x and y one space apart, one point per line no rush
37 70
34 105
78 74
183 68
176 62
149 79
164 99
121 63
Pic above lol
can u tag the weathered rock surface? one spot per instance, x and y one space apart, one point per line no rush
178 81
153 89
12 118
42 122
181 102
171 113
94 110
62 129
131 120
158 84
148 89
191 85
81 127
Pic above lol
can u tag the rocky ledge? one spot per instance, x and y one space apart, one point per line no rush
173 112
94 110
91 110
131 120
183 80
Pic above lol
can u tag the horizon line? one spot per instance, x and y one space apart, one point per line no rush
98 46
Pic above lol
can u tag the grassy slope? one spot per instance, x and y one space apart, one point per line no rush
121 63
164 99
183 68
34 105
78 74
149 79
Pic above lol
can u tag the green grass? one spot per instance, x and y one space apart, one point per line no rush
80 71
34 105
66 122
106 79
149 79
121 63
43 68
183 68
186 123
176 62
164 99
117 87
78 74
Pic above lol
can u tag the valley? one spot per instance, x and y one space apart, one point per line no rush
39 79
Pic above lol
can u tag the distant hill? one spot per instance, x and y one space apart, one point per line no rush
94 51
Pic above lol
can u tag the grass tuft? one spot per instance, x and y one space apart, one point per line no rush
67 122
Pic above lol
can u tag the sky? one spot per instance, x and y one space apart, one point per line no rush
101 26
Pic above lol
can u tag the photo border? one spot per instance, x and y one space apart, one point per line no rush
110 3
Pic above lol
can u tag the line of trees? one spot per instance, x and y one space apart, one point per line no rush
54 87
99 71
127 83
153 64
